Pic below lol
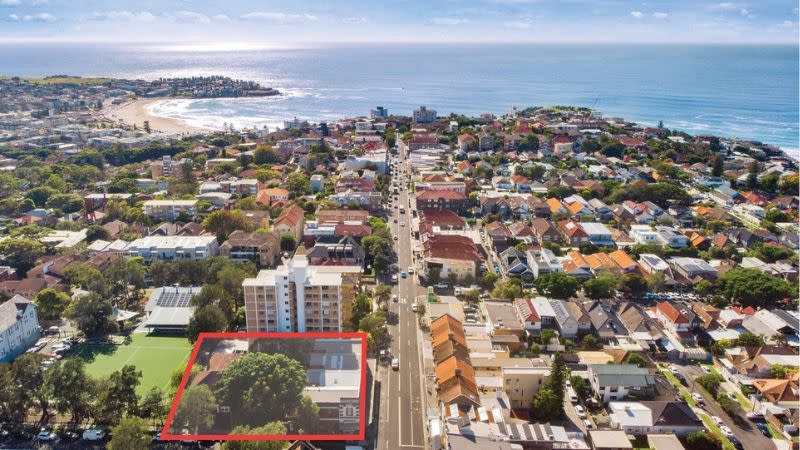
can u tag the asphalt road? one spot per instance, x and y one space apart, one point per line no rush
742 428
402 407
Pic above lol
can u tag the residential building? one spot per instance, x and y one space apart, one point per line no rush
654 417
291 221
19 327
170 210
297 297
441 200
169 248
617 381
598 233
260 247
424 115
451 254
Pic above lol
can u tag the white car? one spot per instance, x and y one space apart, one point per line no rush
46 435
394 298
588 424
726 431
93 435
581 411
414 307
716 420
395 364
673 369
697 397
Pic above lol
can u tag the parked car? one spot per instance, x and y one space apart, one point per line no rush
395 363
581 411
764 429
673 369
93 435
705 369
46 435
698 398
404 274
588 424
726 431
717 420
394 298
414 307
755 416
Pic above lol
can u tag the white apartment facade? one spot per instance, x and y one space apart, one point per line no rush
169 248
169 210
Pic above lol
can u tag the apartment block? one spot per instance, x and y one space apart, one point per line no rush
169 210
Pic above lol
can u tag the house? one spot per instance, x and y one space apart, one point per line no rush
654 417
672 318
499 233
543 261
609 440
528 315
444 219
345 252
574 233
598 233
272 196
291 221
669 237
692 269
617 381
566 322
514 263
544 231
783 393
19 327
259 247
644 235
451 254
27 287
441 200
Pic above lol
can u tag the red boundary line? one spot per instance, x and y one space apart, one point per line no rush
166 436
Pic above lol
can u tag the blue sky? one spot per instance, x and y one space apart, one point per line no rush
296 22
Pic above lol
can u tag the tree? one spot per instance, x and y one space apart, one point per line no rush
214 294
130 434
488 280
25 205
378 250
196 409
748 339
434 275
558 377
751 287
546 406
635 358
702 287
632 283
362 305
298 184
271 429
261 387
546 336
557 285
590 341
508 289
603 286
206 319
146 126
66 203
308 416
752 175
702 440
124 273
710 382
729 405
718 349
21 253
95 232
373 324
117 395
71 388
30 387
288 242
51 303
40 195
224 222
382 293
264 154
153 406
92 314
656 282
718 166
579 384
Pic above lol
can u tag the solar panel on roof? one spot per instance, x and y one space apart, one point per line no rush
175 299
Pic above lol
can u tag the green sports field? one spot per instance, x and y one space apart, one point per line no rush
155 356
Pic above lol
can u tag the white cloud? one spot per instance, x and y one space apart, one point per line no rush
39 2
518 24
12 18
637 14
278 17
41 17
10 2
355 20
220 18
448 21
725 6
122 16
786 24
660 15
190 16
744 12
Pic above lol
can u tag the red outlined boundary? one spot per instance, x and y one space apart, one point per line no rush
166 436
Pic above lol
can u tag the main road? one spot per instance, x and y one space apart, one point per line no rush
402 406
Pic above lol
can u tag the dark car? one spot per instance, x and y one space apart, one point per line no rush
764 430
736 442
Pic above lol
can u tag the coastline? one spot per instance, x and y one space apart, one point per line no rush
135 112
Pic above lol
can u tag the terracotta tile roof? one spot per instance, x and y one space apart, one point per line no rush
572 229
441 218
554 204
672 313
434 194
451 247
526 311
291 216
445 327
777 390
600 261
352 230
622 259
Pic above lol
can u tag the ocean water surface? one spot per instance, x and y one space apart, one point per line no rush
744 91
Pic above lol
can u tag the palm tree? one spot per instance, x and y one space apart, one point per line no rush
779 339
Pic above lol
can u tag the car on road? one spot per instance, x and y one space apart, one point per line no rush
716 420
414 307
726 431
395 363
705 369
404 274
581 411
588 424
40 344
755 416
394 278
764 429
93 435
681 379
698 398
410 269
52 330
673 369
46 435
395 237
394 298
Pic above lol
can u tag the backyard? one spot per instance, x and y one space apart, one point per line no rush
155 356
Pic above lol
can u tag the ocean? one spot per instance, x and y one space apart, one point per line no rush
744 91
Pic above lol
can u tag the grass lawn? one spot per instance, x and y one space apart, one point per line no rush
726 444
775 433
155 356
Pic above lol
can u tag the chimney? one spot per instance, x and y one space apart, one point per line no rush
451 336
458 373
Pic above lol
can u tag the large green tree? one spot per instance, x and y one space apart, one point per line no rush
21 253
751 287
224 222
261 387
209 319
196 410
557 285
271 429
603 286
130 434
71 389
51 303
117 395
92 314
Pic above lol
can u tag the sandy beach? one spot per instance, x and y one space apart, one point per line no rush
137 111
